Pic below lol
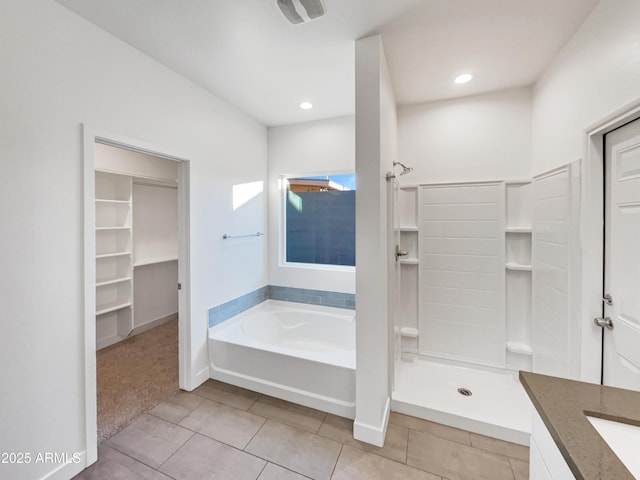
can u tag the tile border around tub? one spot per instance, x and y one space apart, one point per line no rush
225 311
313 297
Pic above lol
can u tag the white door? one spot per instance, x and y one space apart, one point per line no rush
621 356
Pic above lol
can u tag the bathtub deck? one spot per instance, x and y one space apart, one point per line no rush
498 406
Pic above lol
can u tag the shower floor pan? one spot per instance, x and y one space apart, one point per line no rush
497 407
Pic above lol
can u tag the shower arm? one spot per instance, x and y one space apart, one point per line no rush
405 169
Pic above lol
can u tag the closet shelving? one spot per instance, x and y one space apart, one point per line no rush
113 282
518 244
155 260
136 253
136 242
114 275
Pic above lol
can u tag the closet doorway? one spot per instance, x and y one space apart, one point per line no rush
136 293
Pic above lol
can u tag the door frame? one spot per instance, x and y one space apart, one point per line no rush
90 136
592 238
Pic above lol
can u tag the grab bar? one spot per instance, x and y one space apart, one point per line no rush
227 236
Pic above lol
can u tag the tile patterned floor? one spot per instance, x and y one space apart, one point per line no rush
224 432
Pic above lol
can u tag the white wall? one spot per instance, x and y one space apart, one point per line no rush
155 239
155 223
312 148
376 149
482 137
155 298
595 74
59 71
594 77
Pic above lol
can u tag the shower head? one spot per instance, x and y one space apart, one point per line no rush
405 169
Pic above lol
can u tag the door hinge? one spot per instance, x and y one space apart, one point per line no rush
608 299
179 286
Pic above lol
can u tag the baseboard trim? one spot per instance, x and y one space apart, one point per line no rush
373 434
199 378
68 470
153 323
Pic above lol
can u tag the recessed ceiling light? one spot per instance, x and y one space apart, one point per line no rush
464 78
306 105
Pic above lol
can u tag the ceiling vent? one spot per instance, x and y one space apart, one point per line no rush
300 11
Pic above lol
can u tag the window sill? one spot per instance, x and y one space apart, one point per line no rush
318 266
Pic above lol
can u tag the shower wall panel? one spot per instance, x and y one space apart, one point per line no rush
552 239
462 277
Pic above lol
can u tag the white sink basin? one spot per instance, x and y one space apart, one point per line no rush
623 439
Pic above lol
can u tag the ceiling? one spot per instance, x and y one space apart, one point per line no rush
247 53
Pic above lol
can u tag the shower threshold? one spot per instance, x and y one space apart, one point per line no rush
485 401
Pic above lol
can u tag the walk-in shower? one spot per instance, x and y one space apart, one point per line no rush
451 363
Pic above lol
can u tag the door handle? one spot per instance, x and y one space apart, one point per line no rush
605 322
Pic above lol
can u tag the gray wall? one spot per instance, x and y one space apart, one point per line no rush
323 230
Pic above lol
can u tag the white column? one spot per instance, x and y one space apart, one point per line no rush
375 152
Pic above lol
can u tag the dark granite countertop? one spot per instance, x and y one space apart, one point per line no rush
564 405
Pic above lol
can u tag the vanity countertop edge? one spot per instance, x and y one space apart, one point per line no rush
564 406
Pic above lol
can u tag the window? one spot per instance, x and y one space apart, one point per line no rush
320 220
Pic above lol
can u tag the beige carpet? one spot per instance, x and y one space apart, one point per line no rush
134 376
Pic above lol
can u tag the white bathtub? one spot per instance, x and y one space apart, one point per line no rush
301 353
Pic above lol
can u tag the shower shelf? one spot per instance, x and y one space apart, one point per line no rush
518 267
111 255
518 229
409 261
518 347
106 229
112 201
407 228
409 332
